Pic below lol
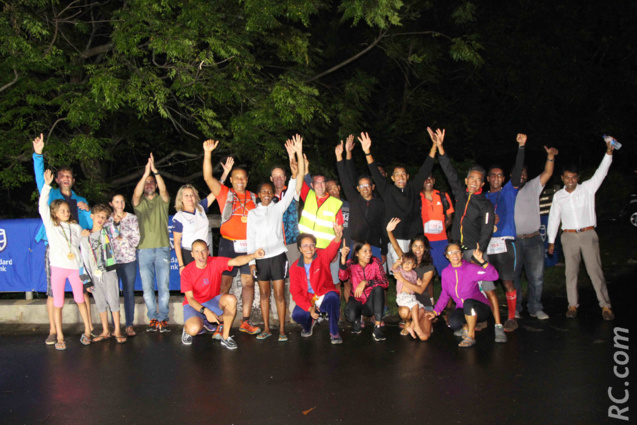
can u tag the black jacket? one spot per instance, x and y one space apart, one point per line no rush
365 217
400 203
473 218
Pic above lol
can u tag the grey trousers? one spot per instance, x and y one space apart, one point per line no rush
106 291
584 245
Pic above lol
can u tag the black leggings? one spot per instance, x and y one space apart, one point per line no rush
457 319
374 306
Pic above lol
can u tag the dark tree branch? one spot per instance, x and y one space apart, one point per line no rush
351 59
10 83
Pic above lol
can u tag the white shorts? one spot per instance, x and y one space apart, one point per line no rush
408 300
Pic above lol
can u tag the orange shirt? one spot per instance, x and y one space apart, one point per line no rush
432 214
235 227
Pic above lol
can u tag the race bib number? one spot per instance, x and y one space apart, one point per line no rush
497 246
434 227
241 247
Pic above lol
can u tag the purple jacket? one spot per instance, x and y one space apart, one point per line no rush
461 283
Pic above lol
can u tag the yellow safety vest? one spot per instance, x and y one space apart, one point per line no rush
319 221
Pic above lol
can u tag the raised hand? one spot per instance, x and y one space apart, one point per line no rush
210 145
477 254
151 162
227 166
307 164
147 168
338 231
338 150
289 147
38 144
366 142
551 151
437 137
521 139
48 177
349 143
391 226
297 139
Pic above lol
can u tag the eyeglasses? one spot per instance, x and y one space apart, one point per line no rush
364 186
308 245
454 252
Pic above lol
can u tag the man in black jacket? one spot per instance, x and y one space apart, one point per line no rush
474 218
400 197
367 211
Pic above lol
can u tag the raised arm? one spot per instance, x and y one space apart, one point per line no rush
139 189
161 184
428 165
391 226
211 181
43 203
227 168
38 161
551 153
297 146
516 175
379 180
445 163
596 181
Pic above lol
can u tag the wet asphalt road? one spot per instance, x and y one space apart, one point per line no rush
549 372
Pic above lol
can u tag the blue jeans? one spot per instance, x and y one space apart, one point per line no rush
531 254
438 255
127 273
331 305
155 262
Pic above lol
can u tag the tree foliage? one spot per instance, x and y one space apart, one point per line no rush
108 82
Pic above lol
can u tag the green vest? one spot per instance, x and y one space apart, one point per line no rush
319 221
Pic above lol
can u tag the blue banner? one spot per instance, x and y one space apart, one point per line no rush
22 258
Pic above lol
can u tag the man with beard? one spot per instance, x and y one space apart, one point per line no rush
153 251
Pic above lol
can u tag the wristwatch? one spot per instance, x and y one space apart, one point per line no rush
201 310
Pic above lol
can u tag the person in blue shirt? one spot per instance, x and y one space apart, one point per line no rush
502 251
80 212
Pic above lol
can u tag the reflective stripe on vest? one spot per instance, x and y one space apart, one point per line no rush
319 221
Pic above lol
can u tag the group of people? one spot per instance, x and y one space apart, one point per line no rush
405 227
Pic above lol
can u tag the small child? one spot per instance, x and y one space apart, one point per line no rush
64 241
99 261
405 296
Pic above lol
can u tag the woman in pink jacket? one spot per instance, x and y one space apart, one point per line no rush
368 284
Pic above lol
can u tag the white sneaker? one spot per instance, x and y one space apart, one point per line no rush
185 338
517 315
540 315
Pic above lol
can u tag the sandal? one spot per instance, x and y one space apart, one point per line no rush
283 338
467 342
264 335
60 346
101 338
404 332
120 339
85 340
130 331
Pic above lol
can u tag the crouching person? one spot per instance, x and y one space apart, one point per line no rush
201 284
311 285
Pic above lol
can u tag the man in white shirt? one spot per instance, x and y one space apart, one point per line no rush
574 207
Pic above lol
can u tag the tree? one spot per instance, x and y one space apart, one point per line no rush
107 83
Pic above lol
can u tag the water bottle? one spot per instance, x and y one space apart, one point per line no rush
613 142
